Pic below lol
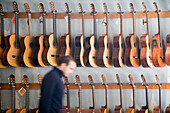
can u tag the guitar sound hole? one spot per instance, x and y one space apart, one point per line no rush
162 57
134 44
150 57
29 57
135 57
55 56
31 45
94 57
13 56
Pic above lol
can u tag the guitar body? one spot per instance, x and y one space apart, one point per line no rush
168 109
22 50
130 110
86 52
118 109
145 52
67 46
157 60
40 52
167 52
28 53
4 54
46 47
13 53
118 58
104 53
36 50
2 65
105 110
93 53
53 51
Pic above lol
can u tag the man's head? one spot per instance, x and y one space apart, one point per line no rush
67 64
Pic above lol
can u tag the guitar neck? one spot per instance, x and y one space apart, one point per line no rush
80 97
121 14
106 92
44 24
158 23
134 100
107 22
30 27
147 24
121 95
16 30
2 30
68 97
54 28
69 25
160 97
147 105
13 99
93 95
27 98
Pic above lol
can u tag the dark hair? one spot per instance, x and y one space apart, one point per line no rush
65 59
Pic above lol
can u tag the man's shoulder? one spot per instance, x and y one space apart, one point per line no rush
52 74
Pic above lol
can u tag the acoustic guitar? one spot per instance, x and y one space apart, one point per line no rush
80 43
146 45
167 52
158 44
54 39
104 42
2 39
25 108
77 82
67 41
132 109
93 41
145 109
105 109
118 108
27 42
119 44
132 45
14 40
157 109
12 84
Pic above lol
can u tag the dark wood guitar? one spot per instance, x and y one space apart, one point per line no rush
118 108
26 55
12 84
105 109
146 45
80 42
104 43
145 109
132 45
119 44
67 41
167 52
2 39
54 39
132 109
158 44
157 109
14 40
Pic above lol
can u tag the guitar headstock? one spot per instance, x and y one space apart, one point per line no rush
104 80
119 8
27 8
77 82
66 80
1 9
15 6
80 8
25 79
156 7
90 80
67 8
11 80
41 8
157 79
144 81
131 81
132 8
92 8
105 8
118 79
40 78
144 7
52 7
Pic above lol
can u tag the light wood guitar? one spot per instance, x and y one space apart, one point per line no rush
104 55
158 44
2 39
28 41
119 44
132 45
146 45
54 39
14 40
157 109
67 41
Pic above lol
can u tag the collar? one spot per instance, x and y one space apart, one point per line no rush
59 71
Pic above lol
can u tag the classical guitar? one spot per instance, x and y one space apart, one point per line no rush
167 52
93 41
157 109
145 109
104 42
67 41
146 45
105 109
158 44
79 108
80 43
54 39
2 39
12 83
132 109
14 40
118 108
25 108
132 45
28 42
119 44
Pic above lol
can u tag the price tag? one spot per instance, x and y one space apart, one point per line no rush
22 91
